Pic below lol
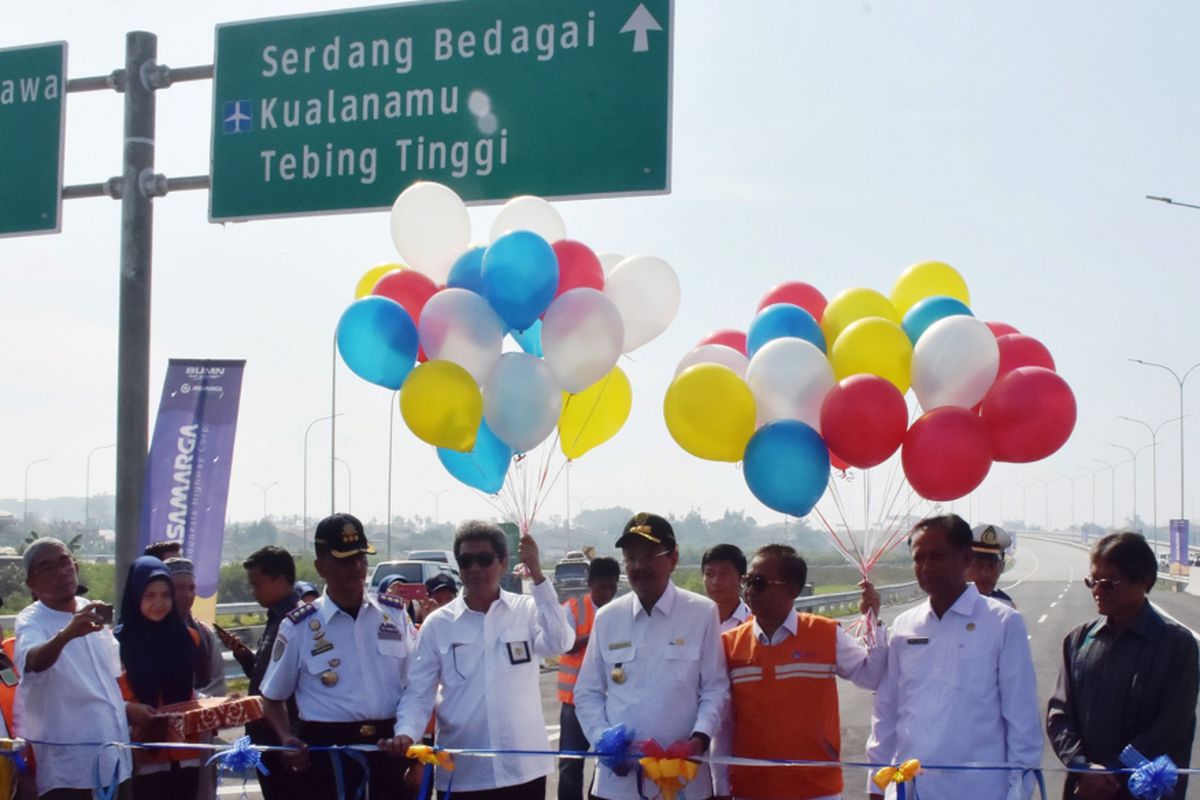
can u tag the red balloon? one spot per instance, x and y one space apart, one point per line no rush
837 463
1029 414
946 453
727 337
409 288
1001 328
578 266
798 294
1019 350
863 420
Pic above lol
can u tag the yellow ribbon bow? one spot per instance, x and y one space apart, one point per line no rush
901 774
425 754
669 774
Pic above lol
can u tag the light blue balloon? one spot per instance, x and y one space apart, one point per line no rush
467 272
530 339
787 466
484 466
378 341
783 319
520 277
930 310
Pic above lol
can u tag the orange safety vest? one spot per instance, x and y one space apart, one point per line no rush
785 706
8 695
568 664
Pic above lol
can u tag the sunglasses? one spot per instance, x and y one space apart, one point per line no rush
466 560
1101 583
758 583
632 559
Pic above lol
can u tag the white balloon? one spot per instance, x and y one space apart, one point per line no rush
460 326
529 213
609 260
954 363
521 401
646 291
789 378
582 335
430 227
715 354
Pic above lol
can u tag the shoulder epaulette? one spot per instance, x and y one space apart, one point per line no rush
301 612
391 601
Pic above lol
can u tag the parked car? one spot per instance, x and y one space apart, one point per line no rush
570 575
412 571
443 556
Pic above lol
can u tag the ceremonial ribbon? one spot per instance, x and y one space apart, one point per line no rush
11 748
240 757
898 775
339 780
1150 780
613 746
670 769
431 757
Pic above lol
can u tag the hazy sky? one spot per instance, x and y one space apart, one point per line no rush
834 143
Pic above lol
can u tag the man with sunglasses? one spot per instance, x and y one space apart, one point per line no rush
477 659
654 663
1128 677
960 684
784 696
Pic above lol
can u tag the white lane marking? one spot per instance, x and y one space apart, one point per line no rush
1052 605
1037 563
554 737
1159 609
1042 618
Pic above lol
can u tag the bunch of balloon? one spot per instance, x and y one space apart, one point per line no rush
496 347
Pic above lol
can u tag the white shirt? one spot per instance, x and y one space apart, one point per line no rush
487 666
739 615
958 690
862 666
367 656
75 700
674 678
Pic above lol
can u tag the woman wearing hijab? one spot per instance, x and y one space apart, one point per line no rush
158 653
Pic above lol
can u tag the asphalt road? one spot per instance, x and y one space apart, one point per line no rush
1045 581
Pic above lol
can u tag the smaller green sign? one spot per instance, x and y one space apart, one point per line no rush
33 81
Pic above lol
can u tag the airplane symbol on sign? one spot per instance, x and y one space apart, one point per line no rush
237 117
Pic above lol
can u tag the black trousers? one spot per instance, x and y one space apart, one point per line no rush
533 790
319 781
124 792
281 783
169 783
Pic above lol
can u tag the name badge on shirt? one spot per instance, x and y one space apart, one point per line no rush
389 631
917 640
8 677
323 646
518 653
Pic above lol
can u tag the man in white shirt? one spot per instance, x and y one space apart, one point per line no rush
723 566
69 663
960 683
477 660
654 664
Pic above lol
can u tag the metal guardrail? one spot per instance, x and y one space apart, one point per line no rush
896 593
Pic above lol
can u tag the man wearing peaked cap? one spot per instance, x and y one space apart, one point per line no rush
654 662
345 659
989 543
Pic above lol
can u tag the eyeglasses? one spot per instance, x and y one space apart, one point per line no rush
466 560
1101 583
759 583
631 559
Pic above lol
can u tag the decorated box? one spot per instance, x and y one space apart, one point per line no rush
185 721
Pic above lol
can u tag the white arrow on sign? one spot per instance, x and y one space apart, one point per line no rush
638 24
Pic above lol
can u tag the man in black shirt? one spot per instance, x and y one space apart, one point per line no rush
1127 678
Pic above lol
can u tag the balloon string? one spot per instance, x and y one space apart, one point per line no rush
587 420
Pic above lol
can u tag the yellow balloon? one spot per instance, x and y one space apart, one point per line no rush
592 417
874 346
710 412
442 405
852 305
371 277
928 279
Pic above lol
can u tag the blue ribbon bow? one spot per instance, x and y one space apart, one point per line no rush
240 757
613 746
1150 780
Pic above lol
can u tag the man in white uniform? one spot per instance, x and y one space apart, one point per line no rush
655 662
960 683
69 663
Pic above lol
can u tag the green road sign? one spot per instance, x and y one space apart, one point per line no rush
341 111
32 85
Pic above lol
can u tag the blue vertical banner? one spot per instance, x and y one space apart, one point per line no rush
187 471
1180 558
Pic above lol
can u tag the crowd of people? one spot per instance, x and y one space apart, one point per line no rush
727 678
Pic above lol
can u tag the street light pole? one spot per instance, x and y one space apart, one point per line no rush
304 523
1045 482
264 490
1170 202
1112 490
25 506
1132 469
437 514
87 483
349 485
391 427
1154 464
1180 381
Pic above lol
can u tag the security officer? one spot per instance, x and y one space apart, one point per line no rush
345 659
987 562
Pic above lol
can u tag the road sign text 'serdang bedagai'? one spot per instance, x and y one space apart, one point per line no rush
494 98
32 86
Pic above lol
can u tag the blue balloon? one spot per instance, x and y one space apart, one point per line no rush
467 272
930 310
520 277
787 466
783 319
530 339
378 341
484 466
